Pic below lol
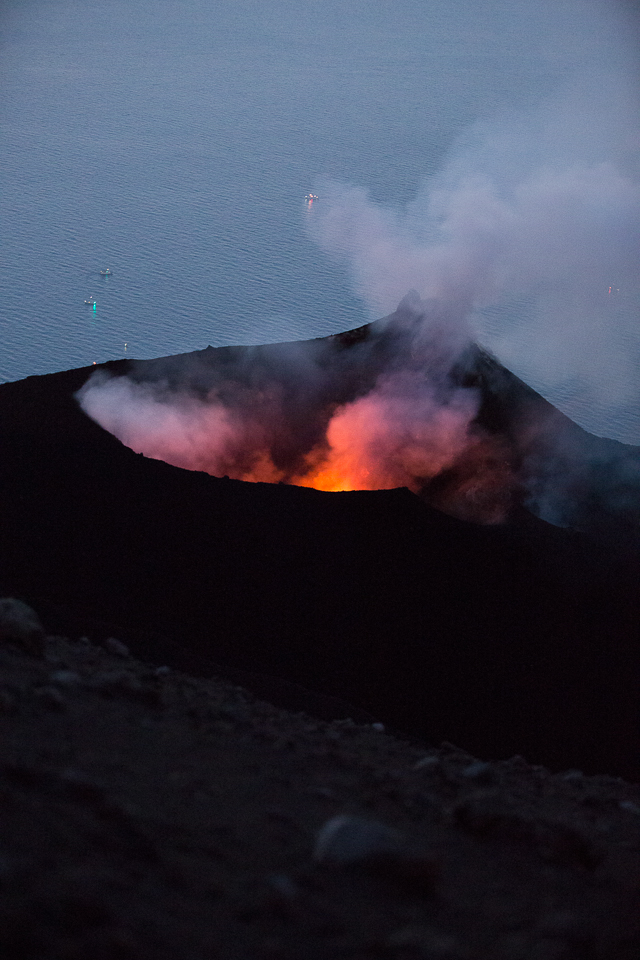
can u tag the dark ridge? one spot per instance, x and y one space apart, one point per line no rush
519 638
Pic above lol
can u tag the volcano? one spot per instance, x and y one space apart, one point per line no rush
447 606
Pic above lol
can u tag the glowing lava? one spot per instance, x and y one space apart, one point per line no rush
366 413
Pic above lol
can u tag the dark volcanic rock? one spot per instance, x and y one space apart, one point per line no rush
518 638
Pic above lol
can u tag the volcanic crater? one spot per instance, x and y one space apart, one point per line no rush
431 593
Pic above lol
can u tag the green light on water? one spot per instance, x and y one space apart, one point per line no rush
94 307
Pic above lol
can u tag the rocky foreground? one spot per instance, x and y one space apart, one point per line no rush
150 814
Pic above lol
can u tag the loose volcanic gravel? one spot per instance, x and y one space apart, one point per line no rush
146 813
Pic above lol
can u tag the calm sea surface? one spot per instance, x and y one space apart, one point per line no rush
173 141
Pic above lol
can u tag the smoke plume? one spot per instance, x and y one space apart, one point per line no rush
531 233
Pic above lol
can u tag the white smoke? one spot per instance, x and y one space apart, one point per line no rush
531 233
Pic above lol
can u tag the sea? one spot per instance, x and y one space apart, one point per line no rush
173 144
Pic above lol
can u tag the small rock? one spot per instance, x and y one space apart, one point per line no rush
65 678
479 771
485 814
120 683
516 763
427 763
117 647
283 885
349 841
564 844
51 698
539 770
20 624
110 679
346 840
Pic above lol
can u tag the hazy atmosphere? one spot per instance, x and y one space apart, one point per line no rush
483 155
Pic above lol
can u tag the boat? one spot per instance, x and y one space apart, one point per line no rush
106 273
90 301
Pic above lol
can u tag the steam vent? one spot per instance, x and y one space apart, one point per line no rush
385 524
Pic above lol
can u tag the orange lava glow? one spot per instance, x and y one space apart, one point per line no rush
400 434
332 481
389 438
